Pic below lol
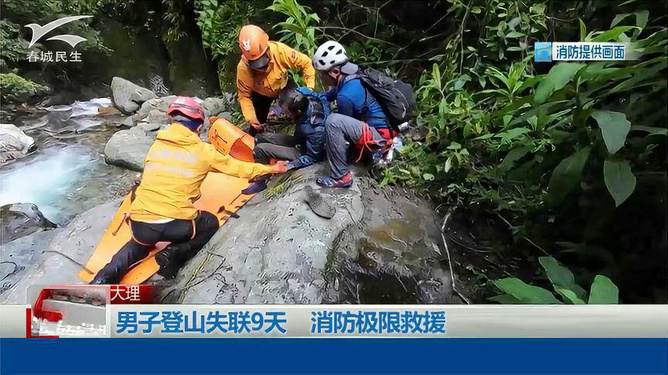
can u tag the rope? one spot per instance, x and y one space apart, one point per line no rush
69 258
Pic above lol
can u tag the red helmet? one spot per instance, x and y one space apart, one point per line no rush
186 106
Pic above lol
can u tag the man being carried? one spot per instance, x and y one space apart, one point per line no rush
262 73
162 208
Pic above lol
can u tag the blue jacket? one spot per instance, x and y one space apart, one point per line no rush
310 129
354 100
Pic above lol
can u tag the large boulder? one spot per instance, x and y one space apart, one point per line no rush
14 143
21 219
157 117
51 257
159 104
380 246
128 148
127 96
214 106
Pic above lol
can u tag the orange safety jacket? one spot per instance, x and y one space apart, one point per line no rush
271 81
176 164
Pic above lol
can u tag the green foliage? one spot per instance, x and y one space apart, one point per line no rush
298 29
515 291
525 138
15 88
220 23
619 179
12 46
42 12
174 17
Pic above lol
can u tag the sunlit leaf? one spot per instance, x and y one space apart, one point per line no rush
619 179
525 293
614 128
570 296
560 276
556 79
603 291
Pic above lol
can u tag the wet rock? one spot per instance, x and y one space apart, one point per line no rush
14 143
128 148
214 106
158 117
43 258
378 247
129 121
148 126
127 96
160 104
21 219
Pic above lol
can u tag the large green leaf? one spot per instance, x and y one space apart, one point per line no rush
566 175
651 130
505 299
570 296
525 293
612 34
619 179
556 79
603 291
510 159
641 18
561 277
614 127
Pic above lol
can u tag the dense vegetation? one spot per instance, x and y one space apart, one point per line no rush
567 161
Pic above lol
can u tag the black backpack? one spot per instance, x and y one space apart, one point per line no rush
395 97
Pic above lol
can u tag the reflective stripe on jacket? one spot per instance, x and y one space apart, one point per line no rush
274 79
176 164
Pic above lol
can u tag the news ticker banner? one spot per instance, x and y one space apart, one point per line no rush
135 312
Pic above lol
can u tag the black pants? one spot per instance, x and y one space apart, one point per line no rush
262 105
275 145
189 235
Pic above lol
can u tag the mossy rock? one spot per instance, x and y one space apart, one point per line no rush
16 89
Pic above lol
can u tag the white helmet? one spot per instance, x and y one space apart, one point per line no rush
328 55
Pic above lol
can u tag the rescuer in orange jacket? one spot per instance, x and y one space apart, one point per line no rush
162 208
262 73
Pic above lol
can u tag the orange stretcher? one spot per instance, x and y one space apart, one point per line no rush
220 195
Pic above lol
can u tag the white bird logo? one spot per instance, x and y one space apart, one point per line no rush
246 44
39 31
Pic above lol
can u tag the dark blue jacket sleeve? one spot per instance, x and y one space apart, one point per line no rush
345 106
331 94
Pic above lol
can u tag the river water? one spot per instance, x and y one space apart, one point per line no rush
67 173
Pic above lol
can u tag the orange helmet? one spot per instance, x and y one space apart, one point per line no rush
253 42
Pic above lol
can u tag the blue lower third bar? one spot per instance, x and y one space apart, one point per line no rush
23 356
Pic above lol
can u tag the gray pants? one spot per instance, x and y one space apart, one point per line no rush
275 145
341 129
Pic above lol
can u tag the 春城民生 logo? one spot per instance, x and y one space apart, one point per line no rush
39 31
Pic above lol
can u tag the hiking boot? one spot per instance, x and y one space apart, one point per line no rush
170 260
327 181
318 205
104 277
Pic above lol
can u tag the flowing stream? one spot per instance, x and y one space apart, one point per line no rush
67 173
